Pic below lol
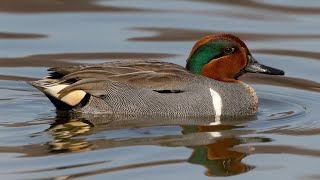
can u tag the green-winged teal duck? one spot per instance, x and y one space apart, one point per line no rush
208 86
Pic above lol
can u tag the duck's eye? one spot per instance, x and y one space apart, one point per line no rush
229 50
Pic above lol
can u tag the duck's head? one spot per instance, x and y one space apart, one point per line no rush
224 57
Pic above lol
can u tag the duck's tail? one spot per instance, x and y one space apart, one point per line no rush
62 101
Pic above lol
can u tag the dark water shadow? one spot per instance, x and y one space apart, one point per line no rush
57 6
311 177
10 35
65 59
252 4
181 34
248 15
17 78
69 59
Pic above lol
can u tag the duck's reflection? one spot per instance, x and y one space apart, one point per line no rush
218 158
211 145
63 133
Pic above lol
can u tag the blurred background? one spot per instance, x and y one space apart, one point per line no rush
39 143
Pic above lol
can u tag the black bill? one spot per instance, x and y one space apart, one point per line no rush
254 67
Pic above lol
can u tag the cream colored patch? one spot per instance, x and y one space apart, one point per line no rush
72 98
217 106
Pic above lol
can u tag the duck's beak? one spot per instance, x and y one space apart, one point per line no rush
254 67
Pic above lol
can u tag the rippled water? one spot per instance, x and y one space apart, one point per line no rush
37 142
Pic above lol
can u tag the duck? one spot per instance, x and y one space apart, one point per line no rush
207 86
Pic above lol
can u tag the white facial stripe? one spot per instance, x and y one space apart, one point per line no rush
217 105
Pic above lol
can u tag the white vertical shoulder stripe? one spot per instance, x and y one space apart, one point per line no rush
217 105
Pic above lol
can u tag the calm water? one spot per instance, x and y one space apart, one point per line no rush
281 142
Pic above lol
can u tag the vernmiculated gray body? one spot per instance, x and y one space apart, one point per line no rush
194 100
154 88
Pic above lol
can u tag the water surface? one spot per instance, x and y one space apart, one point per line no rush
37 142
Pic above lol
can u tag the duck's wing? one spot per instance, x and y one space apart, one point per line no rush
155 75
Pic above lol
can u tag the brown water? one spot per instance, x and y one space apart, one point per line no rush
37 142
